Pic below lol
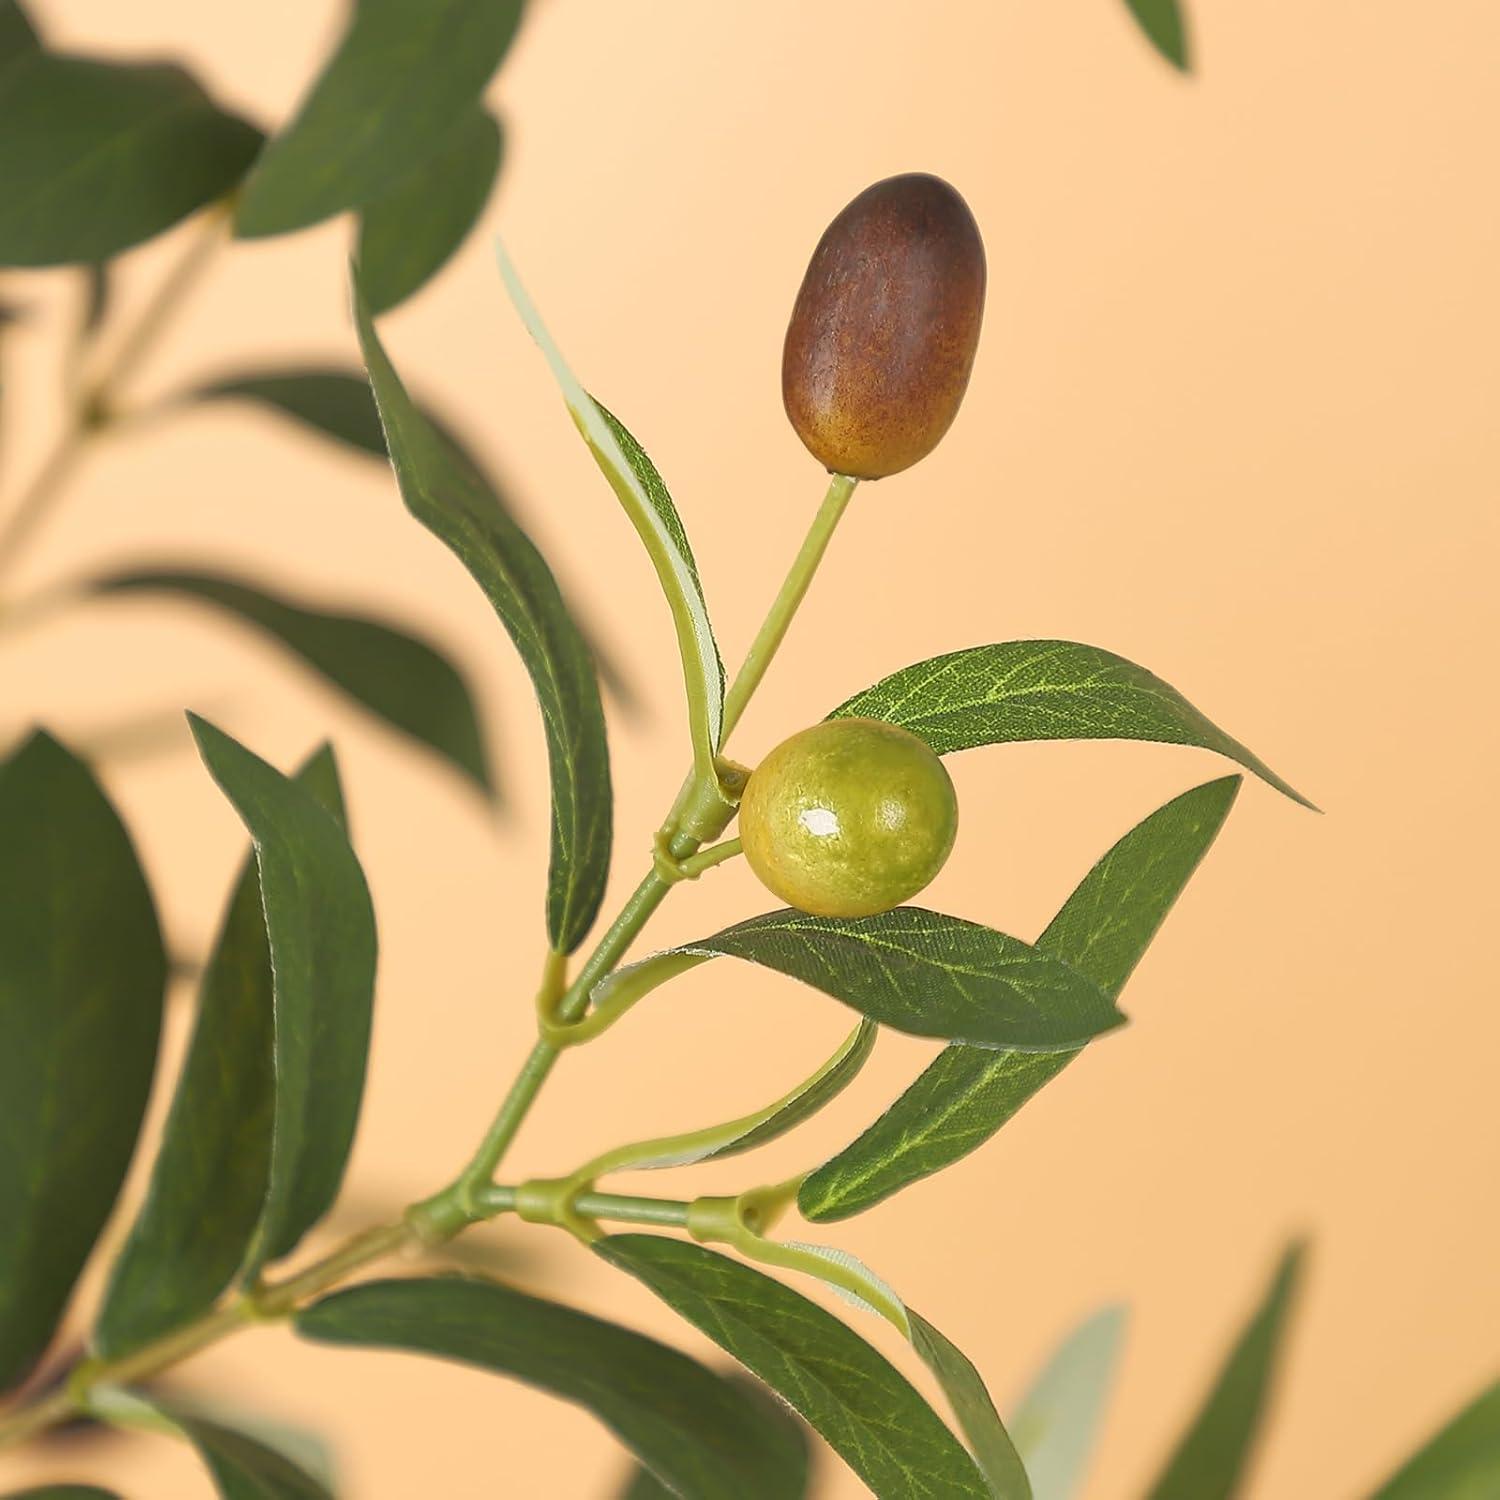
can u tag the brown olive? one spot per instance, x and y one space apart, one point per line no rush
884 329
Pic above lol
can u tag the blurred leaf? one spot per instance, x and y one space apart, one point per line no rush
82 978
967 1093
321 930
403 77
1057 1422
63 1492
688 1425
97 156
1042 690
242 1467
18 37
448 498
865 1408
332 403
928 974
408 235
981 1424
1211 1459
644 1485
208 1184
1460 1462
649 506
397 676
1162 22
96 297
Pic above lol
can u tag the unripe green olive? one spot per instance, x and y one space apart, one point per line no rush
848 818
884 329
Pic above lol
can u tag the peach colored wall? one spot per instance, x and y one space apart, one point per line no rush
1234 416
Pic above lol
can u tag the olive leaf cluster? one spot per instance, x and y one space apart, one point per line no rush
266 1102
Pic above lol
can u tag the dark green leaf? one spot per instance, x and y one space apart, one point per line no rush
968 1093
865 1408
970 1400
1042 690
1057 1423
448 498
98 156
333 403
208 1184
644 1485
403 78
928 974
82 976
18 38
689 1426
397 676
1210 1461
407 236
321 930
96 298
1461 1462
242 1467
1162 22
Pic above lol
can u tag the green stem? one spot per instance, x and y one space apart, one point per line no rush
667 1213
91 412
793 590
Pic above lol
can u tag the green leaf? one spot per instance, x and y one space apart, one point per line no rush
451 501
408 235
397 676
82 976
865 1408
644 496
98 156
321 930
981 1424
208 1184
1042 690
1210 1461
928 974
967 1093
334 404
644 1485
693 1429
1461 1462
18 38
1057 1423
1161 20
97 296
242 1467
403 78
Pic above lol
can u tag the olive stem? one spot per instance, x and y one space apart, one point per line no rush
91 412
793 590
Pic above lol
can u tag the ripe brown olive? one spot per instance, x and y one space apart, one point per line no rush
848 818
884 329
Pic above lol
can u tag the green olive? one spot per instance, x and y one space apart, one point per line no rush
884 329
848 818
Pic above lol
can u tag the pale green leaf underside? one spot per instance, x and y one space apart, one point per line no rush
1056 1424
1460 1462
649 506
966 1093
928 974
1211 1459
860 1403
243 1467
1042 690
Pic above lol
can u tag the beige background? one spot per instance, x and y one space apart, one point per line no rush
1233 416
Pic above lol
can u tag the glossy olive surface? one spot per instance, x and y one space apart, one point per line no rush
884 329
848 818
